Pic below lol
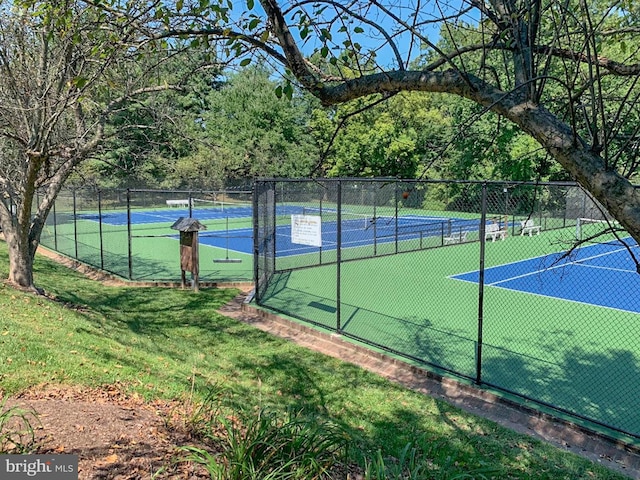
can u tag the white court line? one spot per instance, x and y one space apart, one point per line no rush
579 302
152 215
578 264
563 265
534 258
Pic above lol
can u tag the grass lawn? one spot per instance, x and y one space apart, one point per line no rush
172 344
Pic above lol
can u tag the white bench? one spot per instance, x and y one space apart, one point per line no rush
457 237
178 203
528 226
493 231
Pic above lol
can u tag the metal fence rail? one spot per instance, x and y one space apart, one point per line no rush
527 288
127 232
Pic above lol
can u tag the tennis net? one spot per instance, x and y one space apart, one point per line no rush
596 230
222 205
390 224
348 219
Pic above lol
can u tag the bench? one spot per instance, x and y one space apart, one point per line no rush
178 203
457 237
528 226
493 231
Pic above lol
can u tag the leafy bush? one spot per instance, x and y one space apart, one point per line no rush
414 464
17 434
259 444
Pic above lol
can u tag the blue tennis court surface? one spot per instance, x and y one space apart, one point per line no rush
142 217
586 276
358 231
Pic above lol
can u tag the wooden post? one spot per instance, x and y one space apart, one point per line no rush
189 259
195 262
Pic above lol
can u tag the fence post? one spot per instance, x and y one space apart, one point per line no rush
75 224
275 198
338 254
483 221
100 228
375 219
320 214
55 227
129 249
256 249
395 194
375 230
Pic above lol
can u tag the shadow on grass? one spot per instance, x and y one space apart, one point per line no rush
176 324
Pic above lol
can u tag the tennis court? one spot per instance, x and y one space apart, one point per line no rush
585 276
357 230
557 330
201 209
131 235
138 243
560 330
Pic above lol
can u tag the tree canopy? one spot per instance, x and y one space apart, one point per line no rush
67 69
532 84
565 73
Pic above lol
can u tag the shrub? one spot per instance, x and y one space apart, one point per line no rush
17 434
259 444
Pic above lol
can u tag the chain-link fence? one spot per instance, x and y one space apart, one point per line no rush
526 288
128 232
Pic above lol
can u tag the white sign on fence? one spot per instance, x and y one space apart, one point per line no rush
306 230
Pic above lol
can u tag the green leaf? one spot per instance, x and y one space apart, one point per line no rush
288 90
245 62
358 30
250 4
80 82
254 23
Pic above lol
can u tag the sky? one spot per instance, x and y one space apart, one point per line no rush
363 31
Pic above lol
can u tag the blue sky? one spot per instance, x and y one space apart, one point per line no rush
367 37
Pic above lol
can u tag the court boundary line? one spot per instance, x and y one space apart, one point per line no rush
537 272
554 267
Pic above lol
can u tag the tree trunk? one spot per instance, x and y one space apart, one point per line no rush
22 234
21 255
